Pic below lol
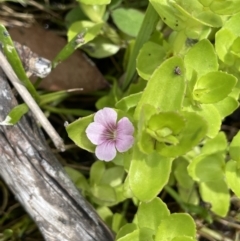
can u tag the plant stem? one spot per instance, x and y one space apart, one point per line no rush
148 25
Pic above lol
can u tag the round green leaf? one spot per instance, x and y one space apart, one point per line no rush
153 54
217 194
218 144
193 132
210 18
133 236
175 225
100 47
113 176
225 7
97 170
129 101
223 42
197 169
128 20
213 87
76 132
148 174
226 106
165 89
105 214
78 178
150 214
201 58
139 235
126 229
211 116
103 194
233 176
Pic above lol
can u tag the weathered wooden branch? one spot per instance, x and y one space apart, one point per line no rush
39 182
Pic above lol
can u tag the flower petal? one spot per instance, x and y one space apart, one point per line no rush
95 133
106 151
107 117
124 143
125 127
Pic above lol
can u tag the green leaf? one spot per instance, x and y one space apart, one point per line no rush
113 176
105 214
150 214
15 115
179 224
215 163
234 148
225 38
153 54
103 194
94 2
126 229
181 174
94 12
100 47
128 20
76 132
182 16
226 106
194 131
233 176
14 60
225 7
211 116
201 58
210 19
117 222
133 236
165 89
97 170
223 42
217 194
139 235
148 174
79 33
129 101
74 15
213 87
216 145
77 178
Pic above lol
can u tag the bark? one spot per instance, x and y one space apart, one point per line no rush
39 182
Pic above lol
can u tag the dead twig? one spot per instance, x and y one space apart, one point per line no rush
33 106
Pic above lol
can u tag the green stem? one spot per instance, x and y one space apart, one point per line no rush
149 23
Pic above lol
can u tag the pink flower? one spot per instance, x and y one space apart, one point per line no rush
109 135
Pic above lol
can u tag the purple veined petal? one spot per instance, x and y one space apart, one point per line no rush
125 127
124 143
96 133
107 117
106 151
